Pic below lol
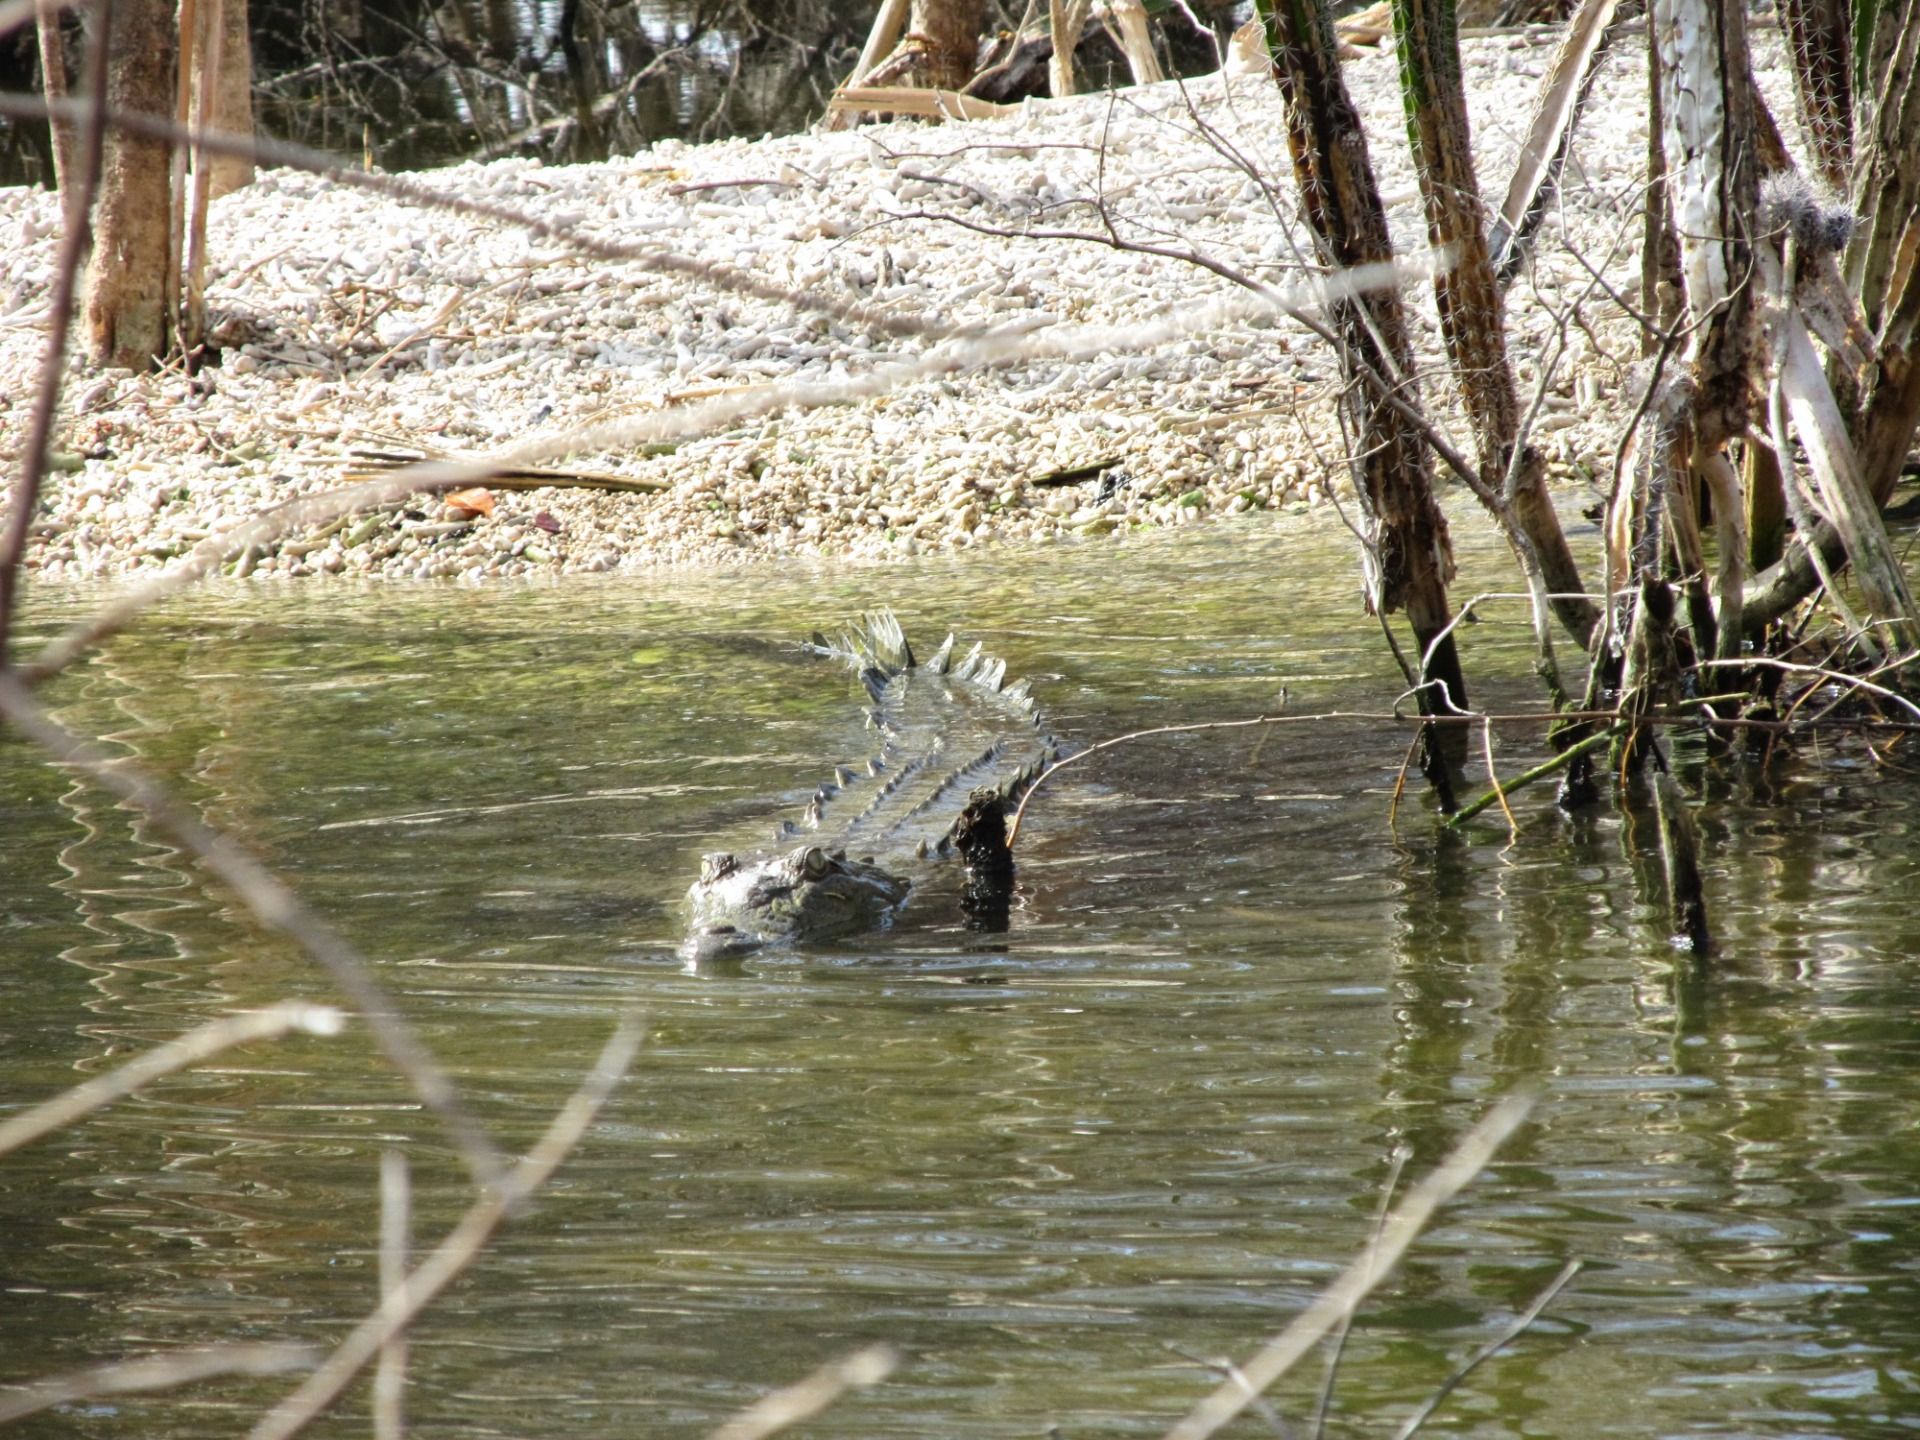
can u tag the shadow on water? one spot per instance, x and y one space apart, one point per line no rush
1154 1112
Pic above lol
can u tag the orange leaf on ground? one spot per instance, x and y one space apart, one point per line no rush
477 501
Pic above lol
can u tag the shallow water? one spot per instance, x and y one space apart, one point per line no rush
1055 1165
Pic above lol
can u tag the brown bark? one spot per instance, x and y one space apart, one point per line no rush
125 309
53 85
1412 551
1659 247
1472 317
950 31
232 110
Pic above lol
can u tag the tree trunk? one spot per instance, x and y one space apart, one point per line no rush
1065 20
1468 295
232 97
1886 195
53 84
126 311
1706 105
950 30
1411 557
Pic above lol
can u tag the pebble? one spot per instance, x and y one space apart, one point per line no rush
352 321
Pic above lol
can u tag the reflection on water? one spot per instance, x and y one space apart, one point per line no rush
1153 1114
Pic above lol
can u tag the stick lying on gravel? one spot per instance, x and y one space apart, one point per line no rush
372 464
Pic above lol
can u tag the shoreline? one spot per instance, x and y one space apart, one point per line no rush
351 321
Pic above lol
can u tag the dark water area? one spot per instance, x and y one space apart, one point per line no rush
1143 1125
412 85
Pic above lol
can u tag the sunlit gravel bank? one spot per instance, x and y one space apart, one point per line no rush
350 320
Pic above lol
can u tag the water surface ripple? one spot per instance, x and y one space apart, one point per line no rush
1054 1166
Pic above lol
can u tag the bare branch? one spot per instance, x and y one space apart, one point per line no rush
272 904
73 245
801 1401
189 1049
463 1244
151 1372
1521 1324
390 1375
652 257
1374 1264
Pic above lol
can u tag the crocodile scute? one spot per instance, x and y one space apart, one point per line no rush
956 743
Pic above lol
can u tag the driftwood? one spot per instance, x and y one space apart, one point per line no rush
909 100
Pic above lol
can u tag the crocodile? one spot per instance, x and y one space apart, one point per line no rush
957 743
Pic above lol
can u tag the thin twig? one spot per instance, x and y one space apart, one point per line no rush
151 1372
25 499
1395 1165
1493 777
1256 1403
1013 830
1498 795
273 905
1344 1295
799 1402
462 1245
1839 677
390 1374
659 259
1490 1349
189 1049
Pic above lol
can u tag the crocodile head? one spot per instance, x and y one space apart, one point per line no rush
809 893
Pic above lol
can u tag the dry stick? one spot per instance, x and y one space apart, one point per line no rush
1498 795
998 348
1492 1348
1255 1403
1343 1296
189 1049
801 1401
426 477
1393 716
463 1243
152 1372
1493 777
188 27
25 498
193 324
1839 677
15 13
53 83
1501 789
390 1374
1398 1163
273 905
1400 780
656 258
1013 830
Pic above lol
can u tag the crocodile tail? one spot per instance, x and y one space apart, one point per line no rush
875 647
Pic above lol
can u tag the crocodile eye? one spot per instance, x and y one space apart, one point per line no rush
814 863
717 866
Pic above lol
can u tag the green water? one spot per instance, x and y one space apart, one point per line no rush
1053 1166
